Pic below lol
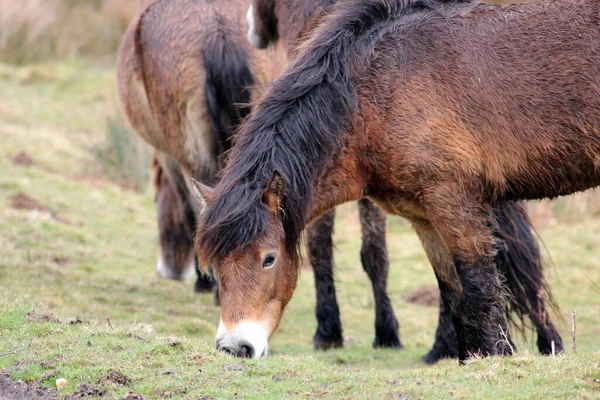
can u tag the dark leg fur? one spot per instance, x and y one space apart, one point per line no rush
374 258
478 316
519 262
320 247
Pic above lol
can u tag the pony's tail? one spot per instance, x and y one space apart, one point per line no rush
519 261
228 87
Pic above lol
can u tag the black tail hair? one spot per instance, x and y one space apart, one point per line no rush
228 88
519 262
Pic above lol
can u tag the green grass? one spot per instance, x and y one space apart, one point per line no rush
98 264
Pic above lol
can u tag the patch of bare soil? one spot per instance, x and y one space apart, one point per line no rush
62 261
23 202
426 295
19 390
114 377
39 318
134 396
86 390
23 159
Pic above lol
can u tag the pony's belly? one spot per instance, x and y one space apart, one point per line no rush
400 206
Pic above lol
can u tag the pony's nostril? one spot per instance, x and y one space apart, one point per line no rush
228 350
246 351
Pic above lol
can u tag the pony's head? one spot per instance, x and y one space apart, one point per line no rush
241 234
176 254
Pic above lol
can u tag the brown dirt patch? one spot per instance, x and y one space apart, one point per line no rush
114 377
426 295
86 390
62 261
40 318
17 390
23 159
134 396
23 202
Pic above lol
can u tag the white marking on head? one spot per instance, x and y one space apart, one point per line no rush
253 333
164 271
253 38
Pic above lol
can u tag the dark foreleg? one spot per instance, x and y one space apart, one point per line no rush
375 262
320 247
445 345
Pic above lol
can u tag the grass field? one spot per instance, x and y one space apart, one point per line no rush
86 248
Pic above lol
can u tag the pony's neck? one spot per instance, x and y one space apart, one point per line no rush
340 182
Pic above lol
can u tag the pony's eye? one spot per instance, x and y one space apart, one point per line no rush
268 261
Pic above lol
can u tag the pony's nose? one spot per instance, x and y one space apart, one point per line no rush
244 351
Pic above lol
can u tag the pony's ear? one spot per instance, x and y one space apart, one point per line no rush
273 194
262 23
202 193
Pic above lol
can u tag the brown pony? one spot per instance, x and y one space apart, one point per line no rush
519 260
185 73
183 96
437 111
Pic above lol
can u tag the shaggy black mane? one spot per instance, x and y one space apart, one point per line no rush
296 127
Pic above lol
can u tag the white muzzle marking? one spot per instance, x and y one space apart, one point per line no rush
254 333
164 271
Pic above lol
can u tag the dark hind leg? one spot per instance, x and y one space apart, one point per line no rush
476 301
519 262
320 247
374 258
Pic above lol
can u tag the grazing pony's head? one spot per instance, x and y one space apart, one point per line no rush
176 254
243 237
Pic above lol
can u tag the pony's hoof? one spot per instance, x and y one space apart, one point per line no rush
326 344
435 355
391 341
545 345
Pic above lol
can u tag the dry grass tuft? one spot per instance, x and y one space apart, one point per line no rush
36 30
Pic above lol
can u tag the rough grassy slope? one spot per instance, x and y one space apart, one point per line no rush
90 252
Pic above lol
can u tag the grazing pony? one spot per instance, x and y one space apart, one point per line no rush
519 260
438 112
185 75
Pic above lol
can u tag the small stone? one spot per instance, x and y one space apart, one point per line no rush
61 383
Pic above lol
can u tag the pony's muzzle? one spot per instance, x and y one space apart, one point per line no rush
248 339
